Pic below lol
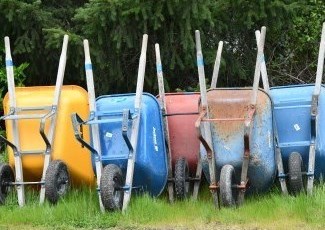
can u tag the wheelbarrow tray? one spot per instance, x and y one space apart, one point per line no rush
183 112
150 172
65 146
228 136
292 106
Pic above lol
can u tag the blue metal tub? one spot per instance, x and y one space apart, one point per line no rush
150 173
228 141
292 106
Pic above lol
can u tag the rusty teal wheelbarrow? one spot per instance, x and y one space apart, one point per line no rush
128 145
235 127
299 113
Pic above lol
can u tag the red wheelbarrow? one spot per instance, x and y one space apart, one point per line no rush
180 111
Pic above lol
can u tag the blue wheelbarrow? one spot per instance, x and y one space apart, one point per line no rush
299 111
235 127
128 145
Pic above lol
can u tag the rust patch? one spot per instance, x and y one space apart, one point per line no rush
230 104
255 160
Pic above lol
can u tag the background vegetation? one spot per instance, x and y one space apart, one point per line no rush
115 28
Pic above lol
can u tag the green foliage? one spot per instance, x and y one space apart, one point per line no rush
115 27
20 77
298 54
116 33
115 39
35 29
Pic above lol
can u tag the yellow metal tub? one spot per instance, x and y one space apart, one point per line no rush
66 148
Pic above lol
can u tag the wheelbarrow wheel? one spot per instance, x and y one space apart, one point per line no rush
295 166
57 181
111 184
227 192
6 176
182 184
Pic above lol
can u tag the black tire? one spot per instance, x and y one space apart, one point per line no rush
6 175
57 181
295 166
111 192
182 184
227 179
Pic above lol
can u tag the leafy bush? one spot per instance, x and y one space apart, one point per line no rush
19 75
114 29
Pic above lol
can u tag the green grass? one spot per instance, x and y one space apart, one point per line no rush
80 209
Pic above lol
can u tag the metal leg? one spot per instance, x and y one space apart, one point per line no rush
281 174
47 159
247 135
311 167
99 169
243 176
20 178
313 133
198 176
98 163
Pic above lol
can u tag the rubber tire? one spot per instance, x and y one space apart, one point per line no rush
182 184
111 183
295 166
227 179
6 175
57 181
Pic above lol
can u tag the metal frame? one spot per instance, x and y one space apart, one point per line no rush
17 113
205 134
171 179
93 122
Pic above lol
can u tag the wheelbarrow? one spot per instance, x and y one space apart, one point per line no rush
128 145
299 111
180 111
36 134
235 127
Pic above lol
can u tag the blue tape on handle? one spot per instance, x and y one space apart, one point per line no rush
200 62
9 63
88 67
159 68
262 58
